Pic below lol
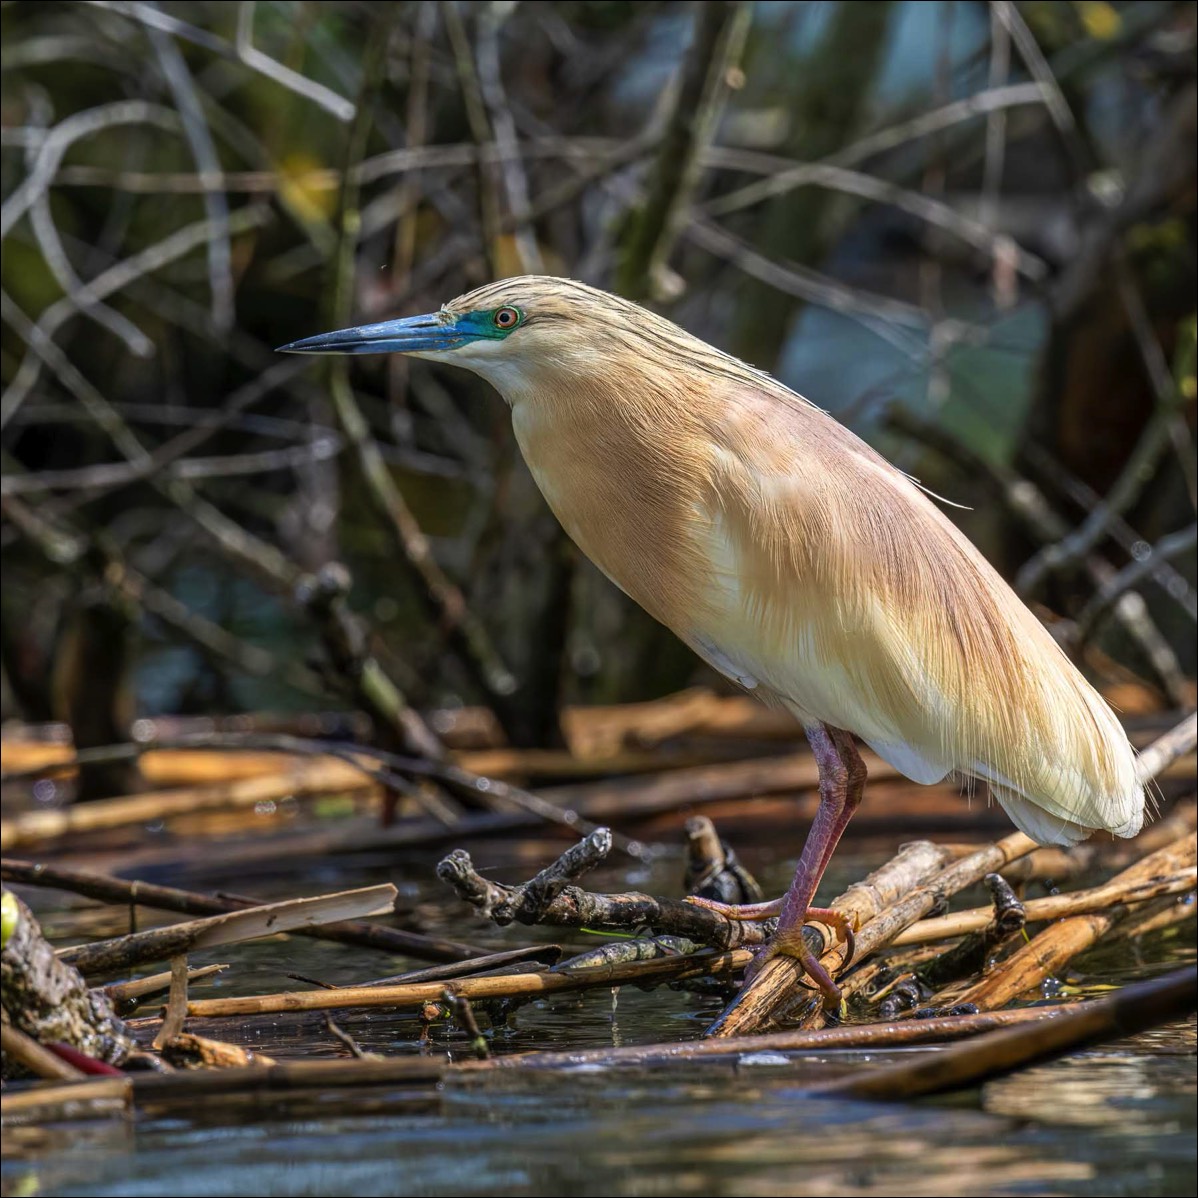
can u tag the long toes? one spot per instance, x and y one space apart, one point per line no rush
740 912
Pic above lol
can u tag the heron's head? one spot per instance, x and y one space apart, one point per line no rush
516 333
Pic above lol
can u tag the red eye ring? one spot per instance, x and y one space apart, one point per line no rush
506 318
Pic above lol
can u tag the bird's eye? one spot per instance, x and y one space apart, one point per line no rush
506 318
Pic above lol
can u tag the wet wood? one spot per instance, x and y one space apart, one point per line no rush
184 1050
878 1036
47 999
59 1103
1132 1009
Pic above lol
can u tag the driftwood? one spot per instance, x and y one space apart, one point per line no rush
187 902
47 999
1060 942
126 952
550 898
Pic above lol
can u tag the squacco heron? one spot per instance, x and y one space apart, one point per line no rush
789 556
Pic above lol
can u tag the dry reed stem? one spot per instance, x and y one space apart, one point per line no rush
1080 902
128 996
514 985
1060 942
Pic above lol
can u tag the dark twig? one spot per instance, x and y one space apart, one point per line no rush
571 906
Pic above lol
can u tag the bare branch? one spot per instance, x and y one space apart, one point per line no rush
216 204
720 28
1108 595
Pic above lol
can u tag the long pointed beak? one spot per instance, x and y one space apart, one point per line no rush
413 334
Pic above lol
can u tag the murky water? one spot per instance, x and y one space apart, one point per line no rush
1120 1120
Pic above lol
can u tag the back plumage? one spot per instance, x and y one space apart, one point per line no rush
853 599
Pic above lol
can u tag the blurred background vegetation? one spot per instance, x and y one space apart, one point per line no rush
966 229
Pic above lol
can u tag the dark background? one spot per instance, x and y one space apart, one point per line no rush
965 229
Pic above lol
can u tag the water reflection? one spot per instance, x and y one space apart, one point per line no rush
720 1131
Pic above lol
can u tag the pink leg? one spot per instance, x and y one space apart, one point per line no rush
841 783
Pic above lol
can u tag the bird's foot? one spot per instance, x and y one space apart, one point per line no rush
740 912
789 942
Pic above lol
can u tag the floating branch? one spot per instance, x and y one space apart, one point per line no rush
550 899
126 952
187 902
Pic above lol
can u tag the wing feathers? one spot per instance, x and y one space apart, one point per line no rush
843 589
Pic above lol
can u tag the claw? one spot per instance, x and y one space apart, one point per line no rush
792 944
844 926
